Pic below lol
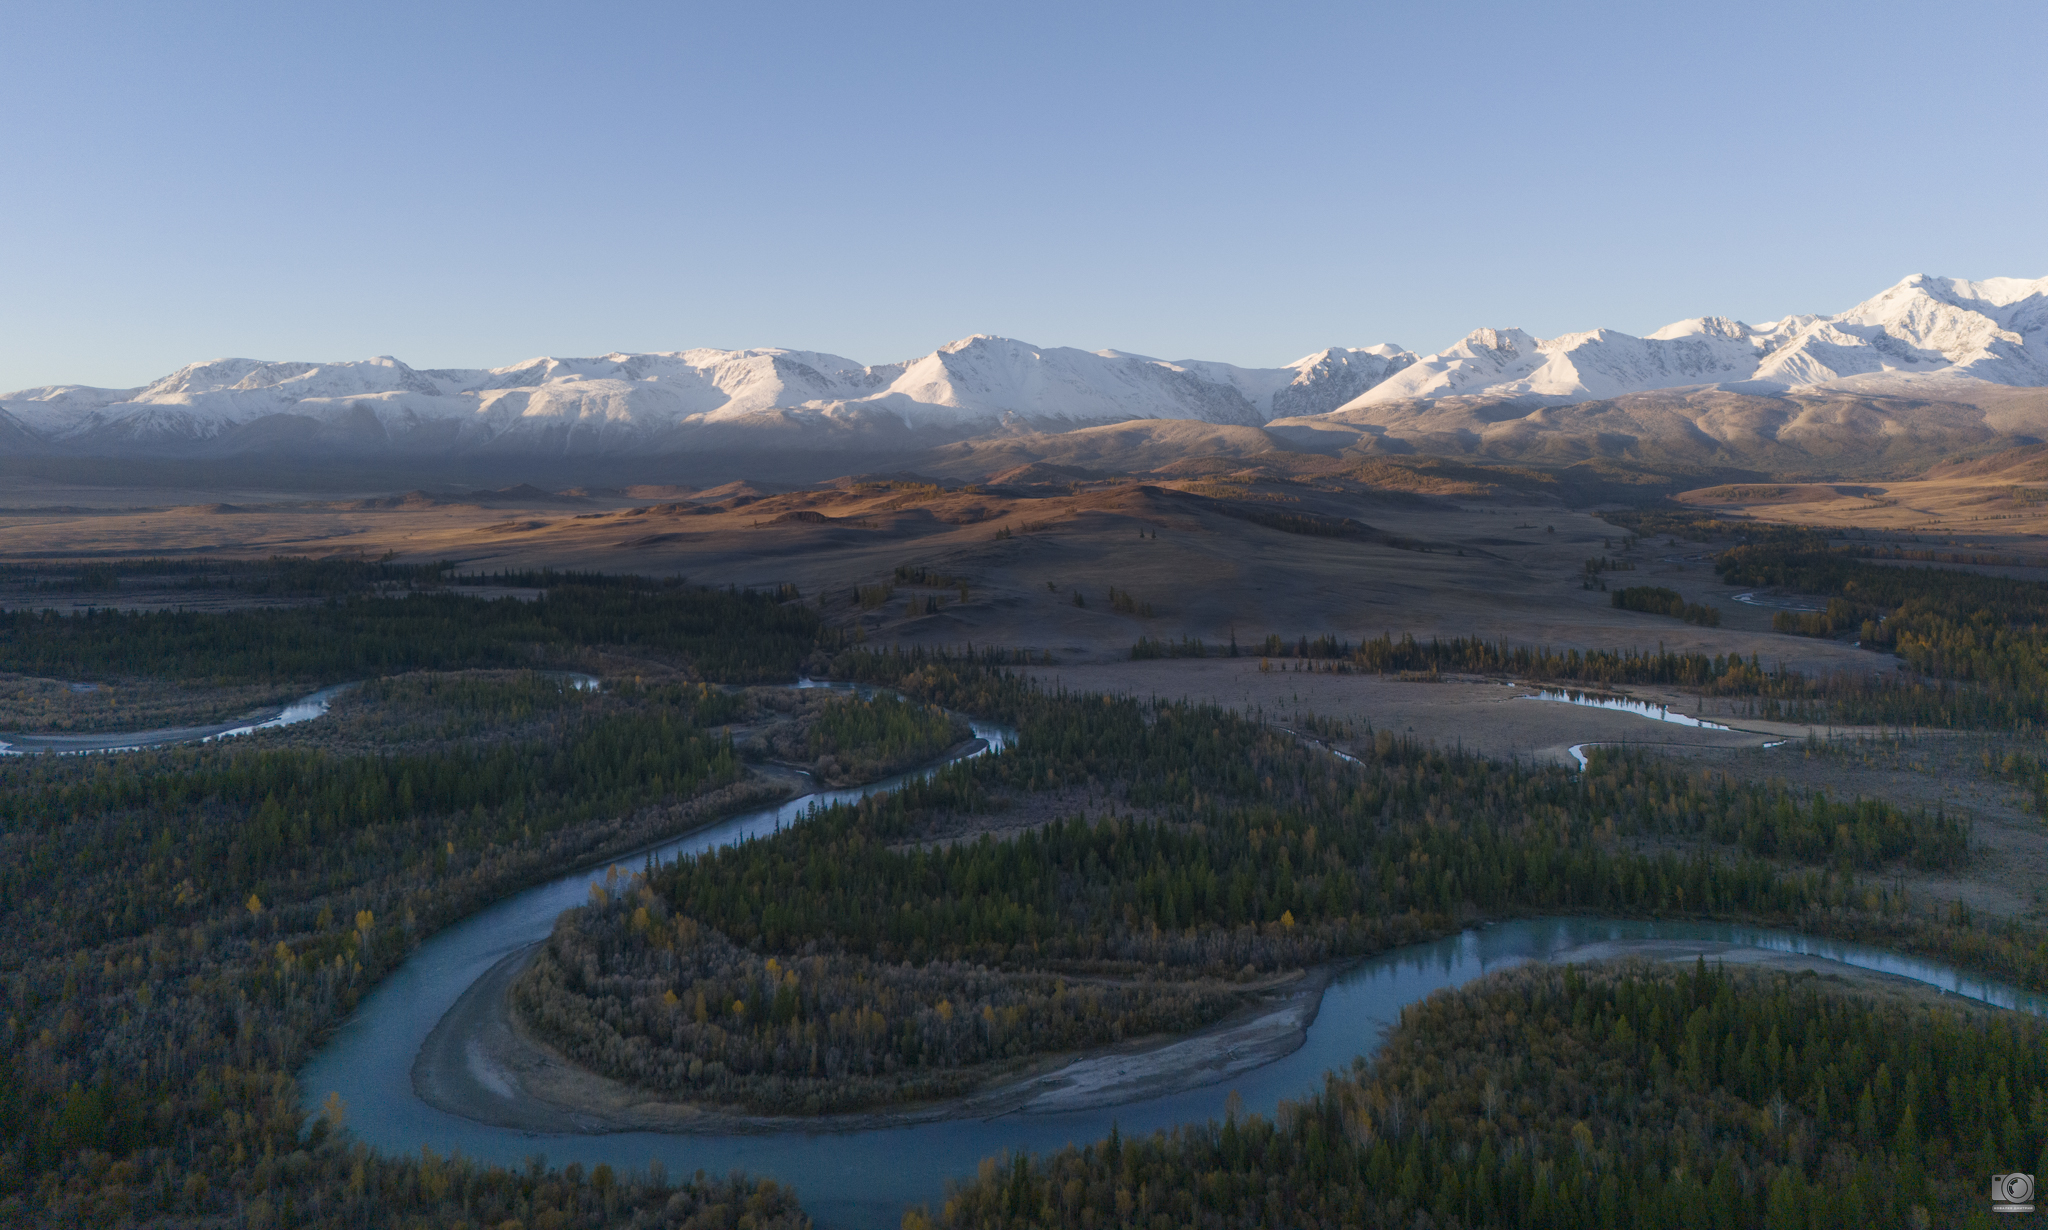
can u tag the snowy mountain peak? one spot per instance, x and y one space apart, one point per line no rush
1327 379
1992 292
1505 344
1703 326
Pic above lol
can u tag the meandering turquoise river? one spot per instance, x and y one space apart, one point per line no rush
865 1178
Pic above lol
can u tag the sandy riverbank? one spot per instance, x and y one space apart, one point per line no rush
303 709
480 1063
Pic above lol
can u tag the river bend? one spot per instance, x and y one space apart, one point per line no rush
865 1178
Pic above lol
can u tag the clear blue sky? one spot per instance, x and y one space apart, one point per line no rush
473 184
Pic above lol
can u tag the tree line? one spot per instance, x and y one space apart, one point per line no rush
1987 631
1883 698
735 636
1658 600
280 576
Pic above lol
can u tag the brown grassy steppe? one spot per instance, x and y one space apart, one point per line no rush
1995 505
1257 551
1212 549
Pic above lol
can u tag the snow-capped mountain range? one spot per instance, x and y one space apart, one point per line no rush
620 400
1995 331
1935 336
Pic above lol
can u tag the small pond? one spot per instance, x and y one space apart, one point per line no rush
1623 704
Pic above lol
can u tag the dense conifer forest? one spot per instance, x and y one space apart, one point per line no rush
1944 623
181 928
860 742
167 838
843 962
730 636
1598 1097
1883 696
